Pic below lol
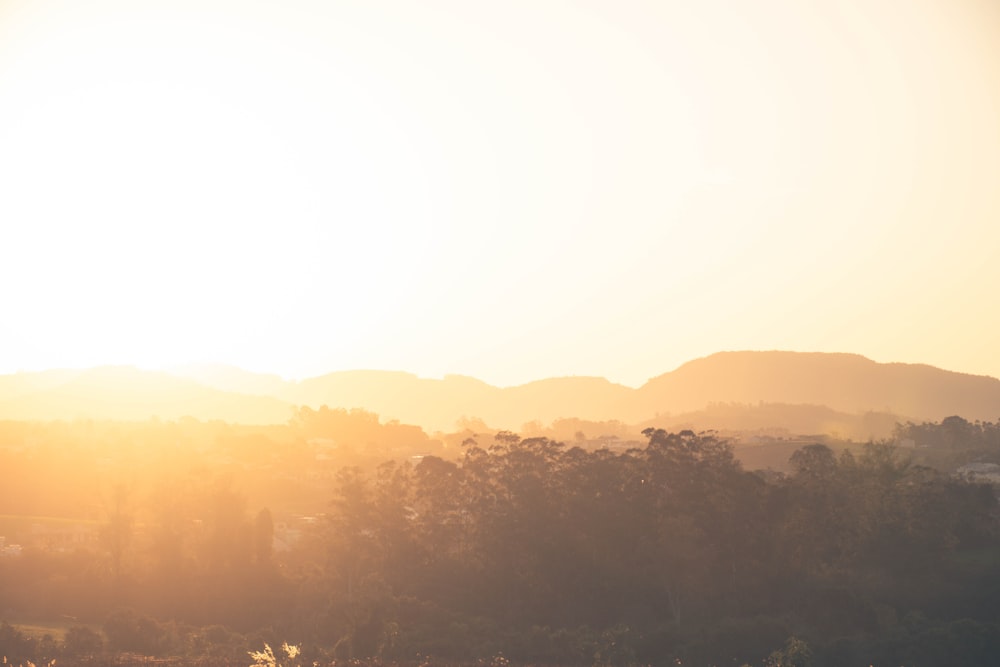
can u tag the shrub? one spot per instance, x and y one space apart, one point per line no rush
80 641
129 632
16 646
266 658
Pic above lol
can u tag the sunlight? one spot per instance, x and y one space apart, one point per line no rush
191 192
499 333
305 186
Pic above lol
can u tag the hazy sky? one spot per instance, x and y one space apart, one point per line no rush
510 190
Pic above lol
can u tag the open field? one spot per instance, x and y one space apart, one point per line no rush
56 628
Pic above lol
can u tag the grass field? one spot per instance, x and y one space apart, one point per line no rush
39 628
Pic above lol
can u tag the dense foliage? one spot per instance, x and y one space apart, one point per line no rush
545 553
667 551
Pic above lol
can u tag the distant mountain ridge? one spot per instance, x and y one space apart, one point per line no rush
129 394
846 383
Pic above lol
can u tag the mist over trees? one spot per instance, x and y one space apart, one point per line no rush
209 539
803 392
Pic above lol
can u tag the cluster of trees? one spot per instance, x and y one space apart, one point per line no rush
530 549
19 647
125 634
667 551
65 469
952 441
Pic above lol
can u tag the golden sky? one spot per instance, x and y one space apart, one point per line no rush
510 190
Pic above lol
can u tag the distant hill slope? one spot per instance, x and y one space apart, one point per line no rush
439 404
842 383
19 384
845 383
126 393
231 378
780 419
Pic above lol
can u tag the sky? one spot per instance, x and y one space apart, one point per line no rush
508 190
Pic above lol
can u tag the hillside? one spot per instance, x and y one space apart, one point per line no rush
824 392
126 393
843 382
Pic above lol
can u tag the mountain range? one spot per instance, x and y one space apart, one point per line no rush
843 385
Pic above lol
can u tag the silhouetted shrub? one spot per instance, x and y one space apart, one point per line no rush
129 632
80 641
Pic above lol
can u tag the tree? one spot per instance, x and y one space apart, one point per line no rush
796 653
263 537
128 631
116 534
814 462
80 642
229 542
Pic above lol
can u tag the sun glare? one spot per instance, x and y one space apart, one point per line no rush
599 333
178 189
294 186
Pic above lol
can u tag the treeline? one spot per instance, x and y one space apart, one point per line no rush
671 551
133 640
952 442
541 552
68 469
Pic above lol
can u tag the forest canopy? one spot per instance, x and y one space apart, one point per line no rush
211 539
